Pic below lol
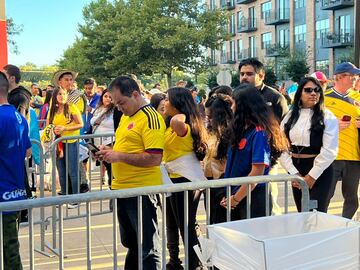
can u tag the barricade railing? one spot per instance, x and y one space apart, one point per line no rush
163 190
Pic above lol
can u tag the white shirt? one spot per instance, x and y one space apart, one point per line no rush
106 125
300 136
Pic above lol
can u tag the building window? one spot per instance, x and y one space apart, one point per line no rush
322 65
212 4
223 53
266 39
265 9
299 3
240 16
344 25
240 49
300 33
232 51
232 24
252 17
252 48
322 28
213 56
284 39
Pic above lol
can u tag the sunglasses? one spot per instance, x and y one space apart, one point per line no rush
310 90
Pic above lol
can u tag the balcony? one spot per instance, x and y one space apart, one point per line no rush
228 58
247 25
246 53
336 4
277 50
277 17
338 40
242 2
228 4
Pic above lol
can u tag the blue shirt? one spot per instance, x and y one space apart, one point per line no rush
14 141
87 116
253 148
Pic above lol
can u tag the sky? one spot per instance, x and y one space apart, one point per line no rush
49 28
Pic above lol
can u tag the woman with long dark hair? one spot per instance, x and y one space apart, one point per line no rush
312 132
45 109
218 118
185 143
102 122
255 143
67 121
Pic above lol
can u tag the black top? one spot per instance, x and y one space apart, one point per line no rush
20 99
117 116
276 100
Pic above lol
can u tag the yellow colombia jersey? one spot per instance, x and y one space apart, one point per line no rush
61 120
354 95
348 138
141 132
176 146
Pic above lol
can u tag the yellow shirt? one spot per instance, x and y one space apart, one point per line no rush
354 95
348 138
139 133
176 146
61 120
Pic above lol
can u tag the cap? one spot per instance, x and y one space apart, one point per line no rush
346 67
154 91
321 77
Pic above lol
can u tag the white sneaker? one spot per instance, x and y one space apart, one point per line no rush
72 206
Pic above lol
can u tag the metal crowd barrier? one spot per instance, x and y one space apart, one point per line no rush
88 198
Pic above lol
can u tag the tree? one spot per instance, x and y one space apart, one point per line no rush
296 66
144 37
270 76
13 30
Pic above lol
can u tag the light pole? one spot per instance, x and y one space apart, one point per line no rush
357 33
3 36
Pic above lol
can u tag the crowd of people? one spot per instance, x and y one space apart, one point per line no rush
171 137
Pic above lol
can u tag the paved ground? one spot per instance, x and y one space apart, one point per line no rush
102 235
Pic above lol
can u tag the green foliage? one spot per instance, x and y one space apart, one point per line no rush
143 37
211 80
235 79
30 73
347 56
296 66
270 76
13 30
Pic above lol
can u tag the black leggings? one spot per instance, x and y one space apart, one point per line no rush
175 222
321 191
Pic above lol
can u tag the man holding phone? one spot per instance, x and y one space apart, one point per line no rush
347 110
136 158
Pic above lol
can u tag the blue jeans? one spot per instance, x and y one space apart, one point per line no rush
71 150
127 213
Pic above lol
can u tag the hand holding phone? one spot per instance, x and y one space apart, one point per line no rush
93 148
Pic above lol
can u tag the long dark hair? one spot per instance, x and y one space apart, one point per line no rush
48 96
156 99
317 120
182 100
252 111
111 107
55 105
221 117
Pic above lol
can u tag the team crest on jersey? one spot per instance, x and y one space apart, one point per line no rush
130 126
18 117
357 103
242 143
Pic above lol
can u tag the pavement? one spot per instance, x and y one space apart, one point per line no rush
102 234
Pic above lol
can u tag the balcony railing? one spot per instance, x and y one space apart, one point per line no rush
245 1
228 58
246 53
247 25
277 50
279 16
228 4
336 4
338 40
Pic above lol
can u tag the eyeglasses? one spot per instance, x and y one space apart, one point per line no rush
309 90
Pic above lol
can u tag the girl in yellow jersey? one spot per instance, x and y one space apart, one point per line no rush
67 121
184 138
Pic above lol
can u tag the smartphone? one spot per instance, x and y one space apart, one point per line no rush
92 147
346 118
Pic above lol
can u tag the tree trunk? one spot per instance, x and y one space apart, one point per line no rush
168 76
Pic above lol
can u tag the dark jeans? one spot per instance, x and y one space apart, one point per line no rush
349 172
71 161
127 213
257 208
215 199
322 187
175 223
12 260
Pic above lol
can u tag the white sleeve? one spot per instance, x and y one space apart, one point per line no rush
329 147
285 158
95 117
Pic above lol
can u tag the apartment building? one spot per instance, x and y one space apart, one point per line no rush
268 29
